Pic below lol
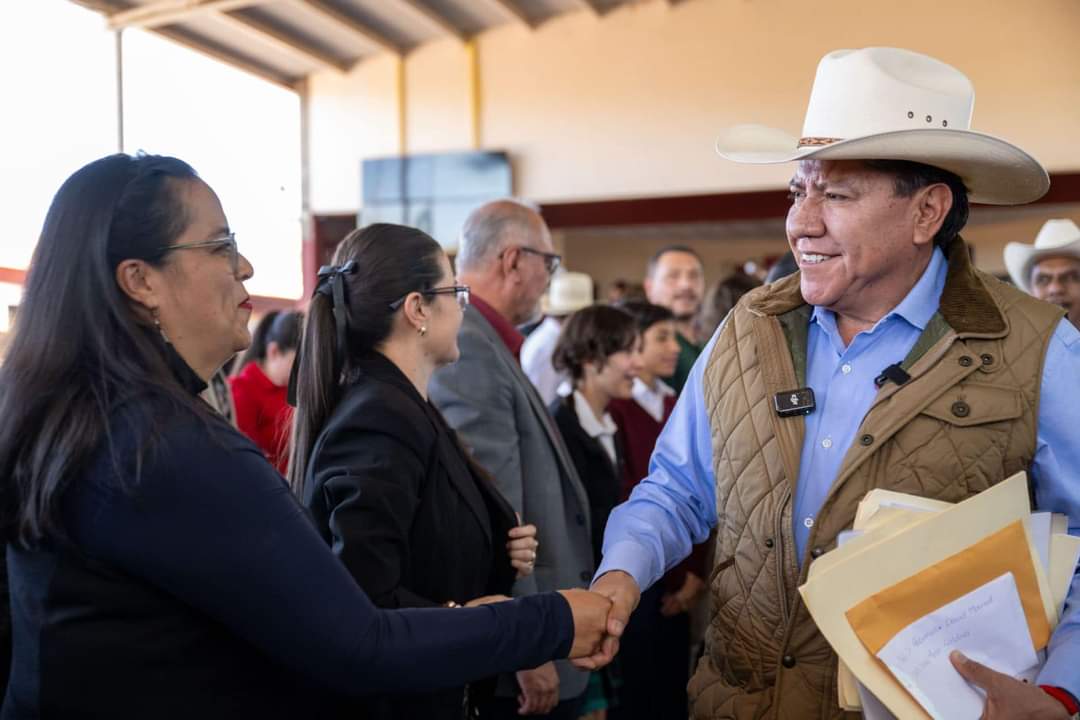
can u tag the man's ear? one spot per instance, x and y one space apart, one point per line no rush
139 283
510 258
933 204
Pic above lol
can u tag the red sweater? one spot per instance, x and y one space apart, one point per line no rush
263 414
640 432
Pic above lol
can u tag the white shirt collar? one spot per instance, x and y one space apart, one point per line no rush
651 399
593 426
602 430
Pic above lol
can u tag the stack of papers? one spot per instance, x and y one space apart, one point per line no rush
916 579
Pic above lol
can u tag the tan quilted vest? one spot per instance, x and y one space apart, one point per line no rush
965 420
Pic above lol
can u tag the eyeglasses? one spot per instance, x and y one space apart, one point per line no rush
226 242
551 260
461 292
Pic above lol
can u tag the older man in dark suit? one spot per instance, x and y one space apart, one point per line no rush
506 258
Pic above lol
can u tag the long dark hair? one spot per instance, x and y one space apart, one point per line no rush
280 328
391 261
79 345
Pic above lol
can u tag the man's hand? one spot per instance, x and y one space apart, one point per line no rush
624 593
590 612
1007 697
539 690
682 600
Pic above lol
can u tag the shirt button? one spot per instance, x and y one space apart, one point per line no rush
816 552
845 368
788 661
808 522
769 542
866 440
826 443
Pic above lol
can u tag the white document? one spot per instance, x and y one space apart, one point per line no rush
987 625
1040 536
872 708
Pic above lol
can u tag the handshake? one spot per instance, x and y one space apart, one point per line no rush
600 617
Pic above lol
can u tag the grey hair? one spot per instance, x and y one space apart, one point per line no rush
490 228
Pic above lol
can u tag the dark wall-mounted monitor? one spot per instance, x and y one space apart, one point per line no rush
432 192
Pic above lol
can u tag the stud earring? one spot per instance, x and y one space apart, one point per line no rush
423 330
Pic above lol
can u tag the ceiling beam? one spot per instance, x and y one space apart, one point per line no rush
363 33
168 12
511 7
261 31
259 71
593 6
429 16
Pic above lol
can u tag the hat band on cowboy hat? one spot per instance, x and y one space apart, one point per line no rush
893 104
1056 238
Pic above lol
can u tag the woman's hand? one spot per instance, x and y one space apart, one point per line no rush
522 547
486 600
590 611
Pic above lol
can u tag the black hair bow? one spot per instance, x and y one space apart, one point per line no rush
331 283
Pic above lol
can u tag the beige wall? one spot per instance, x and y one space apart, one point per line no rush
629 104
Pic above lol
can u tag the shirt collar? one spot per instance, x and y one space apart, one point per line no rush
651 399
509 334
917 307
588 421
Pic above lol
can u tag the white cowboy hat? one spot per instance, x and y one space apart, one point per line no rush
891 104
569 292
1055 238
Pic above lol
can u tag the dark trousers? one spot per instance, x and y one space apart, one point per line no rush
507 709
654 661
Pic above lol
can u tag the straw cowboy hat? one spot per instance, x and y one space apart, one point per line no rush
569 292
1056 238
891 104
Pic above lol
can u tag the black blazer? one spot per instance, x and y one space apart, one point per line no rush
601 477
412 518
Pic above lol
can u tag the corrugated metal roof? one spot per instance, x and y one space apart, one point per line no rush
285 40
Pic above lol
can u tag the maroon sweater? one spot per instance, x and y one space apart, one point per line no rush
640 432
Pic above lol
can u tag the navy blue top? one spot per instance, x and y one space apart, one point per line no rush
205 591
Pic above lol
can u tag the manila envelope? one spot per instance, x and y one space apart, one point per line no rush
882 560
878 618
877 499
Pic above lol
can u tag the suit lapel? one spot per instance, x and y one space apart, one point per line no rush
535 403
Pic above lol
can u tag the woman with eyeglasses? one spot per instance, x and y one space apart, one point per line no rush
391 489
158 565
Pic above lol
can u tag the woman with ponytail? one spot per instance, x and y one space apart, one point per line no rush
259 387
158 565
389 486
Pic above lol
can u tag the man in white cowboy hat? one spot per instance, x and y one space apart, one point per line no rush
568 293
1050 269
887 361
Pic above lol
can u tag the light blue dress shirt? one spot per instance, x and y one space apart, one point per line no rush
675 506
